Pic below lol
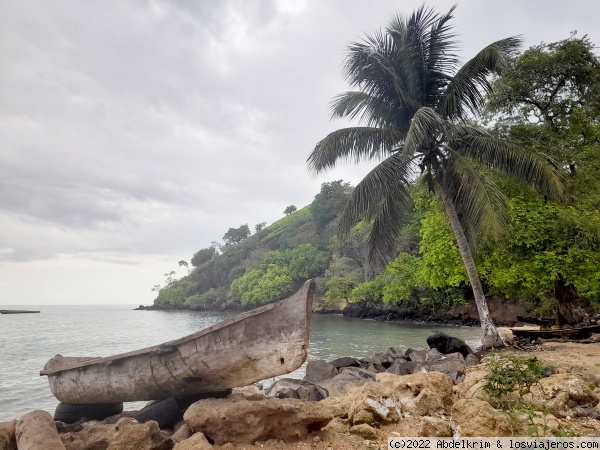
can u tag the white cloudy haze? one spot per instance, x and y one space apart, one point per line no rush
134 132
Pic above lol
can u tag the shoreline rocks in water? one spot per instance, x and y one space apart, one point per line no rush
349 401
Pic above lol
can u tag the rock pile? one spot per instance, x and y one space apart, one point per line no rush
448 355
341 404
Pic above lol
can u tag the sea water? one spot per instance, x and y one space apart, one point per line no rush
28 341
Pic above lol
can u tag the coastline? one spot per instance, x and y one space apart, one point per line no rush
437 408
503 312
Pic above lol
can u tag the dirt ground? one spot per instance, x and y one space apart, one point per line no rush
579 358
575 357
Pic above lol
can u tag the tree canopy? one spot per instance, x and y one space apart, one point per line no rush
413 99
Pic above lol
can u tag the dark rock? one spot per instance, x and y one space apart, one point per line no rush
547 371
341 383
375 367
302 390
345 362
383 359
319 370
358 372
421 356
452 365
393 351
471 360
592 413
448 344
402 367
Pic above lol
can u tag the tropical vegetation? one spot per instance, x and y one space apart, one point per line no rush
399 242
416 103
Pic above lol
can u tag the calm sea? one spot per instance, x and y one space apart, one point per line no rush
28 341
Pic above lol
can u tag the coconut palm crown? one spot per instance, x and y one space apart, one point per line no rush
414 100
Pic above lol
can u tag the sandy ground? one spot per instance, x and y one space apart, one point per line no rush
582 359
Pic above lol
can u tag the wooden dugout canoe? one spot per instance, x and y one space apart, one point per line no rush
266 342
563 333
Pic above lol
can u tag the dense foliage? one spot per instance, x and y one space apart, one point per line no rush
547 257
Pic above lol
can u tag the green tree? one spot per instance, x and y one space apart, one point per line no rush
413 100
262 285
203 255
330 201
185 264
548 82
260 226
236 235
552 250
289 210
550 97
306 261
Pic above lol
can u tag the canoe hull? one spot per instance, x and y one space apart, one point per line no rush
563 333
263 343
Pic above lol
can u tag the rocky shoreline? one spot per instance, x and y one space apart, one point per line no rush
346 403
503 312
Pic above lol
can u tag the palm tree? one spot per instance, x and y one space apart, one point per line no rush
414 100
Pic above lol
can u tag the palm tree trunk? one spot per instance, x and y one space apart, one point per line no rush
491 337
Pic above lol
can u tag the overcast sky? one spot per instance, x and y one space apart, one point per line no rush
133 133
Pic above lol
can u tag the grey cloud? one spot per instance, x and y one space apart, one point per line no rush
130 129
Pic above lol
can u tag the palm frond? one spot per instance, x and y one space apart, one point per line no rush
369 66
425 126
525 165
357 144
466 91
382 196
480 204
371 111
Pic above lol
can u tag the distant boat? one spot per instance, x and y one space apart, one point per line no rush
262 343
17 311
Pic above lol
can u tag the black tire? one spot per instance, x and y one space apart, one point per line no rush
166 412
68 413
169 411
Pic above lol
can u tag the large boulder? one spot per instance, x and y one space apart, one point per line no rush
452 364
472 385
36 431
402 367
126 434
302 390
8 440
558 393
423 355
242 421
196 442
345 361
434 427
319 370
341 384
473 417
561 392
423 393
448 344
391 397
359 373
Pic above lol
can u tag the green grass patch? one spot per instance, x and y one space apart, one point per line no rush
297 218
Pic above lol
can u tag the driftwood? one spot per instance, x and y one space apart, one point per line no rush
36 431
259 344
